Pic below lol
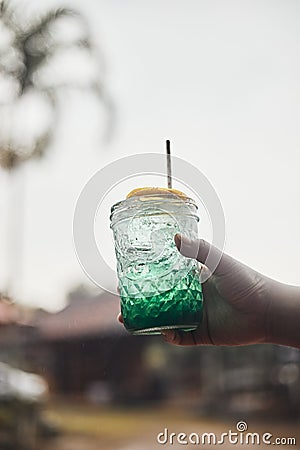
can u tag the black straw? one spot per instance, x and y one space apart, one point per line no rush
169 169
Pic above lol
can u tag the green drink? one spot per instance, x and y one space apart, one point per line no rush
177 308
159 288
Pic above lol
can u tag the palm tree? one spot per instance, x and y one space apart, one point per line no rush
33 71
40 54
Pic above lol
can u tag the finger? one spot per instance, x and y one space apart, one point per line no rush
196 248
120 318
186 338
205 253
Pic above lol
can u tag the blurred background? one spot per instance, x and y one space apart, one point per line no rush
81 85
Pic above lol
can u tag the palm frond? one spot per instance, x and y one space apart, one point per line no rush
39 27
11 157
40 24
4 7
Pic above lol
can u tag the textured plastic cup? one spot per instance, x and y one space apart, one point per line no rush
159 288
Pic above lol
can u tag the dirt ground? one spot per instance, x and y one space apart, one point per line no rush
147 443
94 429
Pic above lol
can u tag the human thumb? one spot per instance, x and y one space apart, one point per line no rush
202 251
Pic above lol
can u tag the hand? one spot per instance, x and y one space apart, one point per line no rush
235 305
240 305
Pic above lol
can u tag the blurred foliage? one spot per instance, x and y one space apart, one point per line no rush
41 53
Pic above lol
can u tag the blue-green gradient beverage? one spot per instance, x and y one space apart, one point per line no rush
159 288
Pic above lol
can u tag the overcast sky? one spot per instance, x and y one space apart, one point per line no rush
222 81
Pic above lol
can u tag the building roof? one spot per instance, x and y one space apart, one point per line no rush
8 311
81 318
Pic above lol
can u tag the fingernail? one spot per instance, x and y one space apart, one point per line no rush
182 241
168 335
177 239
120 318
185 241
